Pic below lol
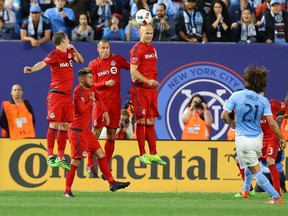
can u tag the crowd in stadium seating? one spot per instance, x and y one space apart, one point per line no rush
240 21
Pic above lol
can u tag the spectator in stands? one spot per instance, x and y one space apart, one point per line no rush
236 10
197 119
77 6
274 24
13 5
61 18
265 8
9 18
164 27
139 4
245 30
218 23
227 3
114 31
17 117
5 34
191 24
204 5
83 31
36 28
123 7
132 30
101 13
45 4
172 8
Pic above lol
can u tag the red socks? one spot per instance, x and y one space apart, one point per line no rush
103 165
275 178
109 149
51 136
90 157
70 178
140 132
151 138
61 140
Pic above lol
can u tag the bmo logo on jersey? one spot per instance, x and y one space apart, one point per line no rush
213 81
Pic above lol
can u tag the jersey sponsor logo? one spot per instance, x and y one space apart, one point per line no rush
83 99
213 81
113 63
148 56
113 70
66 64
102 73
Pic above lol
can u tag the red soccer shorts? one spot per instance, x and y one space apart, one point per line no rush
144 102
59 107
82 143
270 149
114 112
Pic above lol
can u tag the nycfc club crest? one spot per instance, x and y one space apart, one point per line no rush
213 81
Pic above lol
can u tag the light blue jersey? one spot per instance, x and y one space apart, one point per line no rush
249 107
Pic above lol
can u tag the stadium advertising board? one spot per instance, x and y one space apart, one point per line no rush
192 166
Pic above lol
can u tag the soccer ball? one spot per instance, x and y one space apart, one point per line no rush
143 17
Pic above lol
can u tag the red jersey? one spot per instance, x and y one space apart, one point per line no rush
145 56
83 106
61 66
276 106
106 69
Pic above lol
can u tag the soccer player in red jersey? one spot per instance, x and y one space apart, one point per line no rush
106 77
143 93
81 137
59 99
271 143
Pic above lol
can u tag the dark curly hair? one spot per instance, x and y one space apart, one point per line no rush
255 78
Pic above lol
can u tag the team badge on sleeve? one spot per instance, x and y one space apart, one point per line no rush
134 59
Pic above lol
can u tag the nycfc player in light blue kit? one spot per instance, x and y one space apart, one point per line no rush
250 105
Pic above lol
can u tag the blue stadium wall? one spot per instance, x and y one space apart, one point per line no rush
213 70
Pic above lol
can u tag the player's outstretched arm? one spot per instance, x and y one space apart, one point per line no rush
38 66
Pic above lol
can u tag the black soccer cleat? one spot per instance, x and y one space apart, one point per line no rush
119 185
91 171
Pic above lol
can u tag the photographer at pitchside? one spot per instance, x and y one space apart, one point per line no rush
197 119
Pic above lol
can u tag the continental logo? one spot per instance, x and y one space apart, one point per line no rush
29 169
213 81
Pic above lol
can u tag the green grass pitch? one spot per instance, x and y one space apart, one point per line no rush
50 203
